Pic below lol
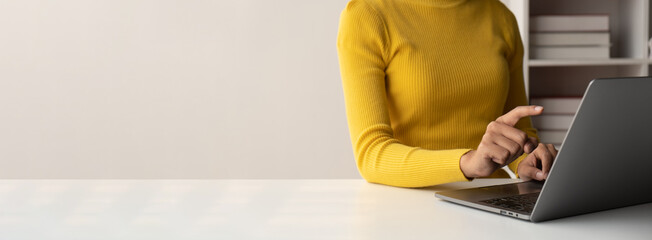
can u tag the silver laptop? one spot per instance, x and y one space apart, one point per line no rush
605 161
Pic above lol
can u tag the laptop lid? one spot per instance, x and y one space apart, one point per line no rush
605 161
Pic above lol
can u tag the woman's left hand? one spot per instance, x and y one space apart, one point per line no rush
537 164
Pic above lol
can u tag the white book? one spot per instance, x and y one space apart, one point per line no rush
569 23
552 122
558 105
552 137
569 39
575 52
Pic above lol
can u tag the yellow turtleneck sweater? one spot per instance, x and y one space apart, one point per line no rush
422 79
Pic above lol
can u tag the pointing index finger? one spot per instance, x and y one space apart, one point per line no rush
512 117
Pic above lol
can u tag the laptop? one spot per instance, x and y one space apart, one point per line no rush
605 160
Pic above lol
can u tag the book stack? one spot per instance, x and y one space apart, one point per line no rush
556 119
569 37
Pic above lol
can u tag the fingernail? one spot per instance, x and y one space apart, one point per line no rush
539 175
538 108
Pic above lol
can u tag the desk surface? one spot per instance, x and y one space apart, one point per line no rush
276 209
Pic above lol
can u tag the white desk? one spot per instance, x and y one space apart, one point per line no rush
276 209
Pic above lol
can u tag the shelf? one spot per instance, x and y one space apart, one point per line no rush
586 62
629 34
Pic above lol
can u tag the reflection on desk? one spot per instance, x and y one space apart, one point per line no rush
277 209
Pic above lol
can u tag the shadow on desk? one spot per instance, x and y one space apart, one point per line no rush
633 215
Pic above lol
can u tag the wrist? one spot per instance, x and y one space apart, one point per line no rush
464 164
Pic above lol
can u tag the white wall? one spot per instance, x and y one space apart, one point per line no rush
171 89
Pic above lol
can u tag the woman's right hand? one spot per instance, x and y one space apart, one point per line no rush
501 144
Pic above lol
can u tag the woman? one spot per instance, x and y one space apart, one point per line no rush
434 92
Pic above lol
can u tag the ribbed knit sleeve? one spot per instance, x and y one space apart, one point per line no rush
516 95
362 49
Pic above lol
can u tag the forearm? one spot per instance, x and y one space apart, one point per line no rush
383 159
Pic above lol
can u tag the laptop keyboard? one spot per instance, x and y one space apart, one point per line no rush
522 203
